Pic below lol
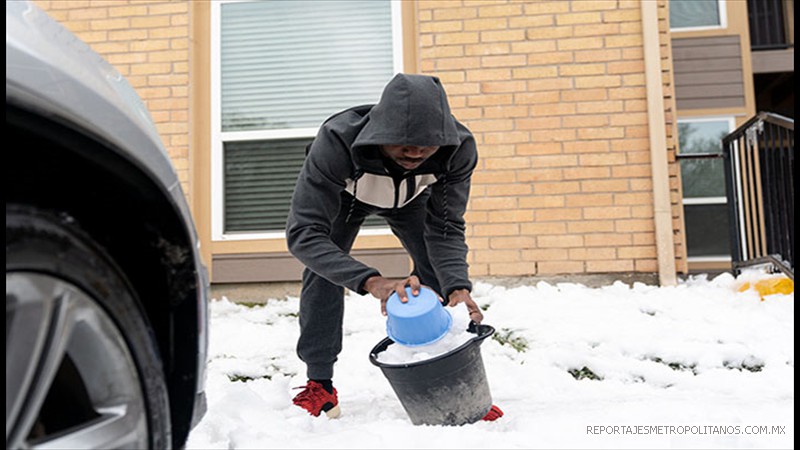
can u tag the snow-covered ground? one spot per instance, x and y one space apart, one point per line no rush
698 365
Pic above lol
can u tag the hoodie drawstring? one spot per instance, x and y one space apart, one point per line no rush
444 201
356 176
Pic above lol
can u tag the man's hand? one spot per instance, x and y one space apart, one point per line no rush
462 296
381 288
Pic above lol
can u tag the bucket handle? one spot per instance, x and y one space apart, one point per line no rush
482 331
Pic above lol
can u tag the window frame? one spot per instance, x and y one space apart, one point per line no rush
711 200
723 21
219 137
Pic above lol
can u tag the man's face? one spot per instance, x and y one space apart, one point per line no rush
408 157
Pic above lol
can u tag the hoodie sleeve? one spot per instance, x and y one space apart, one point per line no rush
445 227
315 204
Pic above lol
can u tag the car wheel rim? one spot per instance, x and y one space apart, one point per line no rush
64 351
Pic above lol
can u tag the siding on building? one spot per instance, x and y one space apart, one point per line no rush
708 72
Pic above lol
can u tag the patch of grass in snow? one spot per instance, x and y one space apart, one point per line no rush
730 365
245 378
506 337
676 365
584 373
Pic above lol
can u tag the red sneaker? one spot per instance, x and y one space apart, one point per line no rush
316 399
493 414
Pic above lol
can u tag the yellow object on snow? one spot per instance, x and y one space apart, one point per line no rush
770 286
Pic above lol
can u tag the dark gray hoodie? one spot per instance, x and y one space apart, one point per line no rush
345 156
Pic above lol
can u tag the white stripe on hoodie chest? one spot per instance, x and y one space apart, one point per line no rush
379 190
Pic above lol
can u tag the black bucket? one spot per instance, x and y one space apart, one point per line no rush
449 389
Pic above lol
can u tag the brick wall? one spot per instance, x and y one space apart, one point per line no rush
555 94
148 42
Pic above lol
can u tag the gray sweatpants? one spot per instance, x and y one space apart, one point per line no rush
322 302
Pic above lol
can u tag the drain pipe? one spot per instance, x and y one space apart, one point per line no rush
659 163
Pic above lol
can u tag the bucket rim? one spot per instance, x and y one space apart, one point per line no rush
481 332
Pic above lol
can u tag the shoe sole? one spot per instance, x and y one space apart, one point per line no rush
334 412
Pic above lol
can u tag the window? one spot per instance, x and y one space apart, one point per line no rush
685 15
703 177
279 69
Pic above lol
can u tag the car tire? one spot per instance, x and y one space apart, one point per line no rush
82 366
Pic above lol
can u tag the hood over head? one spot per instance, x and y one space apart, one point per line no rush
413 110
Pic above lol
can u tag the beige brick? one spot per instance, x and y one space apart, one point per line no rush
590 226
581 43
635 106
607 239
538 123
589 254
558 214
169 32
633 198
516 242
637 252
538 174
505 229
442 51
566 241
489 75
470 62
149 45
584 120
455 13
584 95
566 187
504 61
553 161
606 106
578 18
598 55
533 46
442 26
490 204
534 34
500 10
499 23
602 159
629 119
584 173
604 186
634 225
560 267
456 38
622 15
168 8
630 144
527 21
536 98
586 147
563 134
489 256
607 212
613 265
542 7
488 48
164 56
601 133
511 137
502 35
631 171
549 84
553 109
598 81
593 5
582 69
539 148
548 58
495 151
549 254
646 265
605 29
543 228
515 216
507 190
642 211
503 111
643 184
580 200
150 22
110 24
86 13
495 87
512 269
633 80
542 201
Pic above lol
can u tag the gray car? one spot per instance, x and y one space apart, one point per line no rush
106 294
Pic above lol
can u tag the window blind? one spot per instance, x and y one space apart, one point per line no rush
291 64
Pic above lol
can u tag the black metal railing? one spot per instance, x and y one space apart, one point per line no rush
768 27
759 179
